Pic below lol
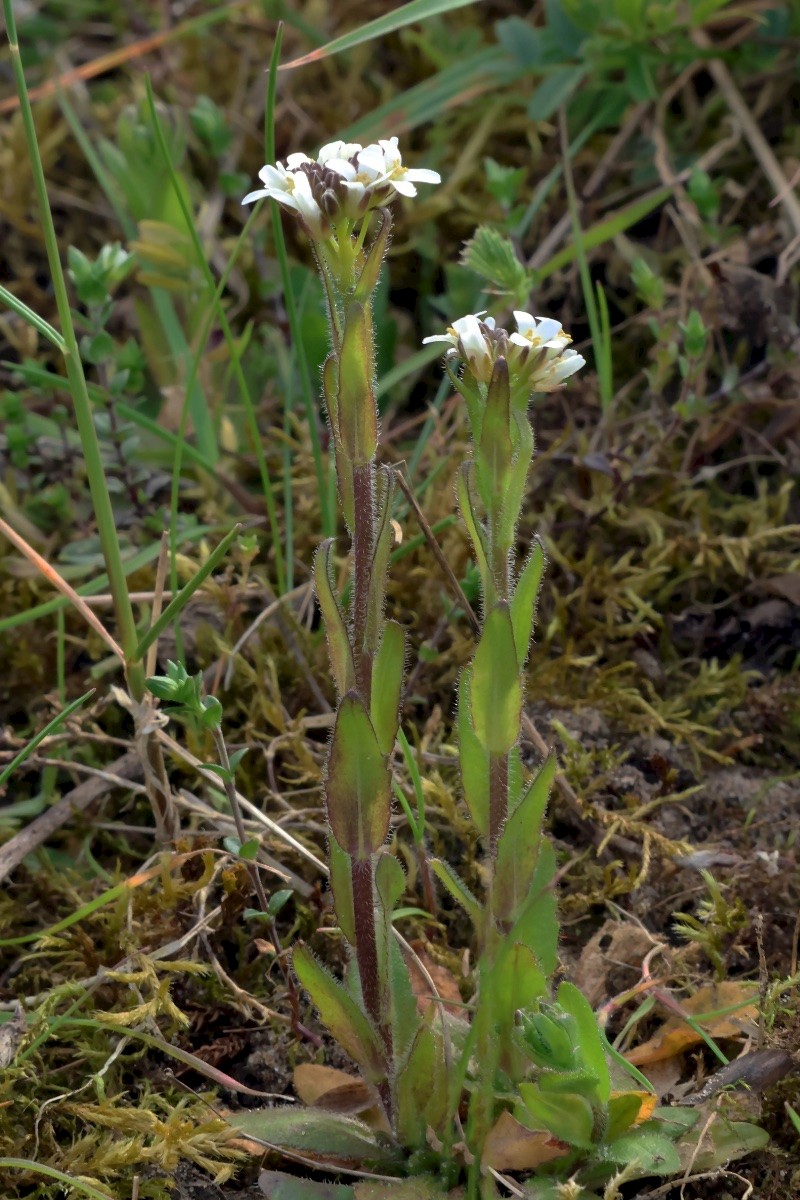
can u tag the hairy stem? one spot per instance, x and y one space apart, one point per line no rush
363 546
498 799
367 958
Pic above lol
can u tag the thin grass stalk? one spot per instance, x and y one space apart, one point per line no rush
101 499
152 759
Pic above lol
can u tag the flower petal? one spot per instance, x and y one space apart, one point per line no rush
261 194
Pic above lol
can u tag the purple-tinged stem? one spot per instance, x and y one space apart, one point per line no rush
367 959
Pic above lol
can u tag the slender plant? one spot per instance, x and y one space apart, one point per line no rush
522 1079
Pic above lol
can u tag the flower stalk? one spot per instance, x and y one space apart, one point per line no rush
341 200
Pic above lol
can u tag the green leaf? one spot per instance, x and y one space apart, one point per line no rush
422 1086
340 1014
341 881
523 601
358 791
495 447
474 760
457 889
724 1141
277 1186
422 1187
496 688
358 415
622 1112
339 651
314 1132
517 981
519 845
405 1017
249 849
557 1083
278 900
387 673
330 390
384 542
237 757
589 1043
553 91
569 1117
537 924
466 502
652 1152
548 1037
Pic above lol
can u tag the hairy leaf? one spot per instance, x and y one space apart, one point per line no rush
520 843
358 417
340 1014
473 758
358 785
387 684
340 653
523 602
496 689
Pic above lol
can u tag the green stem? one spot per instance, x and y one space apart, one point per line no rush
363 546
101 500
498 799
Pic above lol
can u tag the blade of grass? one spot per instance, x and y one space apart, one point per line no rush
179 602
22 310
604 231
77 1185
101 499
100 584
86 910
407 14
184 1056
469 77
38 738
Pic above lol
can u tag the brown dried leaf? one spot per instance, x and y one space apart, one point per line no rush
446 982
512 1147
676 1036
331 1089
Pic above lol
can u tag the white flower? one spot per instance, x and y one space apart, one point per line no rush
384 161
467 339
292 189
346 180
538 354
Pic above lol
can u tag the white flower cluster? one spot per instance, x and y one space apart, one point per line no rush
537 354
343 182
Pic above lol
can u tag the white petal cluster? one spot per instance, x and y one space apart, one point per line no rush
344 181
537 354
